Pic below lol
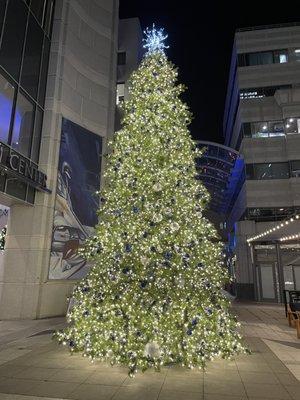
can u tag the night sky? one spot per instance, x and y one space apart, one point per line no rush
200 45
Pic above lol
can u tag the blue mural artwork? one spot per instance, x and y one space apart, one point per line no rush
76 204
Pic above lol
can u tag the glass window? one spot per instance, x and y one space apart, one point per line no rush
276 128
292 125
268 171
122 58
7 92
44 71
262 171
2 180
32 57
36 139
280 56
295 169
120 92
48 17
266 57
37 7
16 188
13 37
252 59
23 123
2 12
297 54
30 194
280 170
259 129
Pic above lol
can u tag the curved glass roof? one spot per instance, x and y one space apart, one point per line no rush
221 170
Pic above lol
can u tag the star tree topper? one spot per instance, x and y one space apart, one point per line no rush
154 39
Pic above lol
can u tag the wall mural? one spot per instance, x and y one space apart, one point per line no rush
76 204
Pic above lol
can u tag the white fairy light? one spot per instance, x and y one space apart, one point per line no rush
279 226
154 40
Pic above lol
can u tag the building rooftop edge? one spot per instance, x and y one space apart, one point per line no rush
272 26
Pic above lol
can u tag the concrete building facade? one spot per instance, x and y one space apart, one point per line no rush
45 225
262 122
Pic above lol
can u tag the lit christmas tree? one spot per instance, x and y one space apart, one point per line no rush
3 237
154 294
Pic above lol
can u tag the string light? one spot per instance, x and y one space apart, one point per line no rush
154 40
270 230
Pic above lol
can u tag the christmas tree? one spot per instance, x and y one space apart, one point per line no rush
154 293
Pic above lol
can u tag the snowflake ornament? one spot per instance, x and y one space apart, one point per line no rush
154 40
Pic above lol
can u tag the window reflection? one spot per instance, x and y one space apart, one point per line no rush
7 92
268 171
292 125
32 58
13 37
263 58
23 124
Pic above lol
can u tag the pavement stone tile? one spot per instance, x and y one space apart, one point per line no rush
135 393
175 395
268 391
52 389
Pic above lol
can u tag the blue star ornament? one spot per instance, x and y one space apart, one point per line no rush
154 40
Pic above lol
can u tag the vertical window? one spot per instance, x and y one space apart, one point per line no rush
32 57
295 168
7 93
44 71
13 37
37 8
2 12
122 58
16 187
36 139
48 17
280 56
259 129
292 125
120 92
276 128
23 123
297 54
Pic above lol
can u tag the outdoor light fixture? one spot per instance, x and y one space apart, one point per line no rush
270 230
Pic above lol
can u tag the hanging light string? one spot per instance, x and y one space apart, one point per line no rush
274 229
291 237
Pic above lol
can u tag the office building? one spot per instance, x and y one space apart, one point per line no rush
57 100
262 122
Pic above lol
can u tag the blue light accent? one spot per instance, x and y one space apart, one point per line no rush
154 40
5 112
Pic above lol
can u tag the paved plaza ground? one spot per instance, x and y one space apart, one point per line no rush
32 366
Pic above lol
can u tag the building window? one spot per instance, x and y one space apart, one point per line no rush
258 93
37 8
295 169
268 171
270 214
23 124
32 58
263 58
280 56
121 57
263 129
292 125
7 94
297 54
120 92
13 37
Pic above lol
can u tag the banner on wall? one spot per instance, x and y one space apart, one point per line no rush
76 203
